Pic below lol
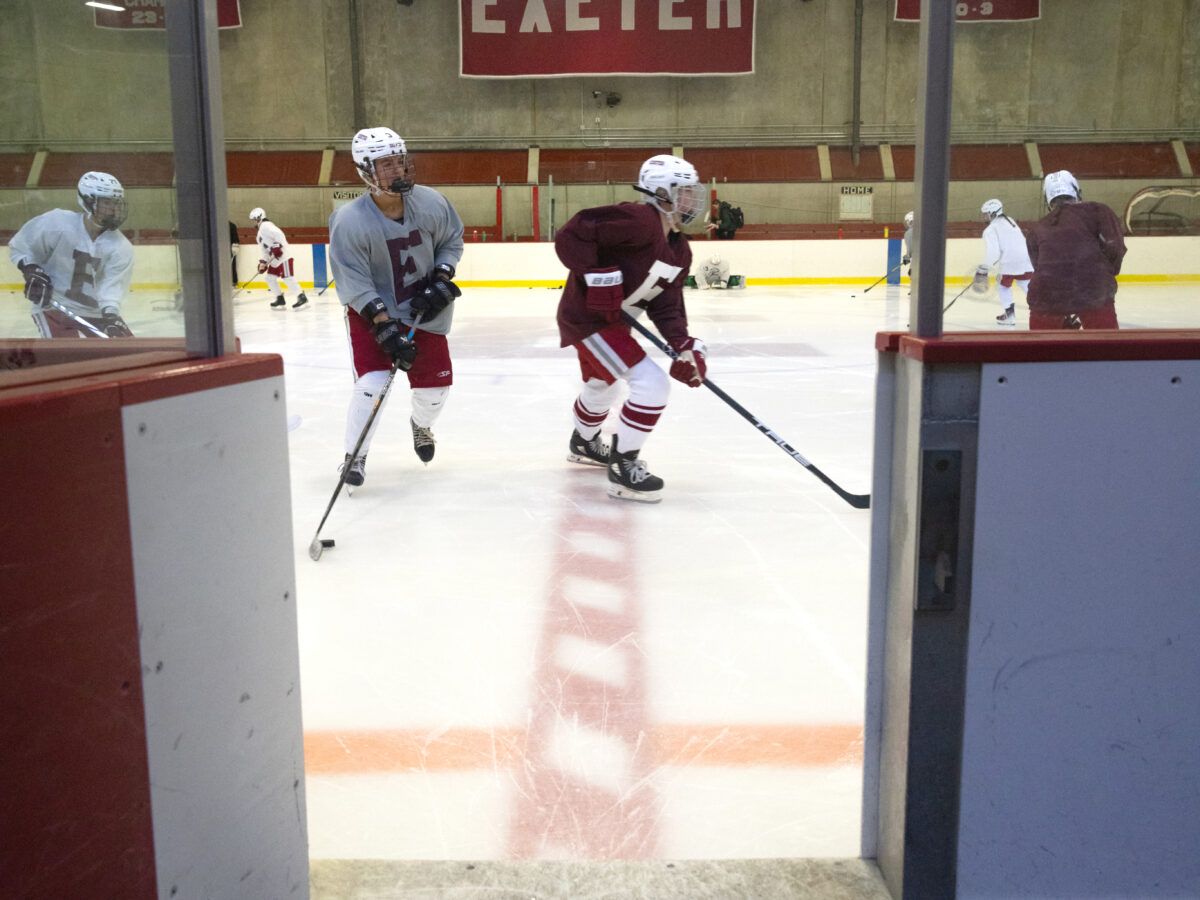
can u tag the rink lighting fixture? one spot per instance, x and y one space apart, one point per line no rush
104 6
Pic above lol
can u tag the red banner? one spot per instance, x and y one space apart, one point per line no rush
549 38
137 14
977 10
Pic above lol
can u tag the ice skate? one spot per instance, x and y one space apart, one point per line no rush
356 472
1008 318
589 452
279 302
629 479
300 301
423 442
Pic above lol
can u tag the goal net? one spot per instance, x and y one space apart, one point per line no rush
1164 210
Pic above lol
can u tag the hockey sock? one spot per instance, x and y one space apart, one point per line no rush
427 405
592 406
362 400
649 388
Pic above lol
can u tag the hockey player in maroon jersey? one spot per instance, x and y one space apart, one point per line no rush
629 257
1076 253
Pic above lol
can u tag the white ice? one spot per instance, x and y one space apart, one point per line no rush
500 662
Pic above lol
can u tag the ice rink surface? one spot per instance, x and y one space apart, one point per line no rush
500 662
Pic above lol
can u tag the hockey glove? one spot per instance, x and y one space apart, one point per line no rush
979 284
689 365
392 339
906 260
435 298
114 325
262 266
605 292
39 289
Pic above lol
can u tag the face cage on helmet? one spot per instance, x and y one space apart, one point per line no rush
114 220
688 201
366 172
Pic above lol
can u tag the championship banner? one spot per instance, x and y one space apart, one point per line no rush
977 10
557 38
139 14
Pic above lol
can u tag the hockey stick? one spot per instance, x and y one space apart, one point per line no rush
328 285
858 501
956 296
80 321
318 546
889 272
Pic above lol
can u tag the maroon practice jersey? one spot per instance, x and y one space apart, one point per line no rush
1076 253
653 267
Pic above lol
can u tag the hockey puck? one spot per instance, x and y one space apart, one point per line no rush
327 542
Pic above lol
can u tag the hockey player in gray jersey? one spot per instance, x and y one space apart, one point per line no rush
78 266
393 252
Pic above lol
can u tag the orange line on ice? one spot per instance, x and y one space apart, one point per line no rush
346 752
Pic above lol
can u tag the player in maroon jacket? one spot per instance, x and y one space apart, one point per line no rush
1076 253
629 257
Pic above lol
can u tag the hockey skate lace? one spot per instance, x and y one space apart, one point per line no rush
597 447
636 470
358 464
423 437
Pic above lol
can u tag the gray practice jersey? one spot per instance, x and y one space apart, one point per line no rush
373 256
89 276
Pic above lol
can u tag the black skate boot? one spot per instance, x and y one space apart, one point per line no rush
356 472
629 479
590 452
279 302
1008 317
300 301
423 442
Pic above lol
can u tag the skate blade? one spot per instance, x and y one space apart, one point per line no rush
623 493
585 460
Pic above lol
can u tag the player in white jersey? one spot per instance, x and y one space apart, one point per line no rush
78 266
906 260
1003 247
393 252
275 258
713 272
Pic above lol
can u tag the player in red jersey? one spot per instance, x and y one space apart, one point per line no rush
629 257
1076 251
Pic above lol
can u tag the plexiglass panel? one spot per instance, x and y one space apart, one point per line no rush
87 203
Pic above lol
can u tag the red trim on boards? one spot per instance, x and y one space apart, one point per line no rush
1043 346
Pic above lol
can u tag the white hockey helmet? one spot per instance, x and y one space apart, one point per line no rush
257 215
94 186
715 259
672 186
992 208
908 219
373 144
1061 184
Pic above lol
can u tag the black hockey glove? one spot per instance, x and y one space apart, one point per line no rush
396 343
430 302
39 289
114 325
